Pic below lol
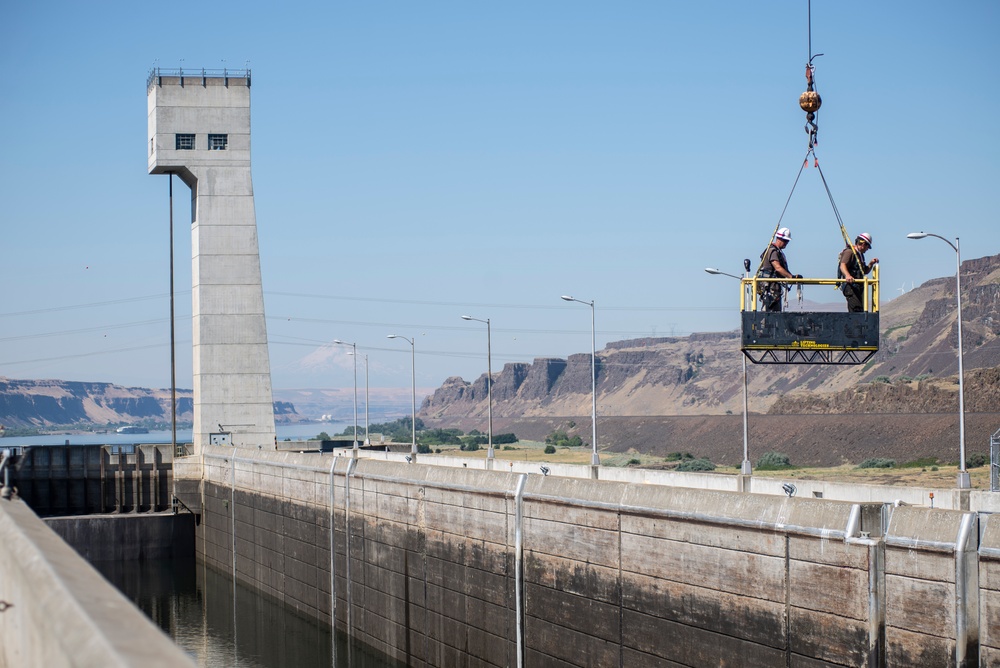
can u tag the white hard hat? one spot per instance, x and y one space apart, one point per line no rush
784 234
867 238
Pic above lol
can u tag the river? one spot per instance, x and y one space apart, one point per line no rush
294 432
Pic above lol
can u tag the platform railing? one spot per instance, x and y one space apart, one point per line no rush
750 285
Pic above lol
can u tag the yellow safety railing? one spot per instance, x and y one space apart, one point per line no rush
749 300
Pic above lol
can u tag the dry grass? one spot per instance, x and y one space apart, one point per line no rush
944 476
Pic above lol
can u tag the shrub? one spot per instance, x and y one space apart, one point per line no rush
423 449
772 461
882 379
563 440
550 449
696 465
679 456
633 462
509 447
976 460
470 447
877 463
504 438
934 468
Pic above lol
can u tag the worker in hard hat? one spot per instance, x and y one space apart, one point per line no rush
853 268
774 265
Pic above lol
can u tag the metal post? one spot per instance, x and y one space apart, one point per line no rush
413 396
354 353
489 388
173 352
745 468
595 460
368 433
963 474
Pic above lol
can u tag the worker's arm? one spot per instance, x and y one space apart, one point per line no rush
847 274
779 270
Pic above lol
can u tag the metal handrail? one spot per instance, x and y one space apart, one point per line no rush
748 288
225 73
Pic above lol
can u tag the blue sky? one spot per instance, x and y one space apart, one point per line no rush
414 162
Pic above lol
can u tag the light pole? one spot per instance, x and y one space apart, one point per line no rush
595 460
368 440
746 468
413 399
354 353
489 386
963 473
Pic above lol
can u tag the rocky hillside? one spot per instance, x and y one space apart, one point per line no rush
702 374
44 403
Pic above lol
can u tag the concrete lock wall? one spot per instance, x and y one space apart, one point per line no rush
56 610
454 566
989 592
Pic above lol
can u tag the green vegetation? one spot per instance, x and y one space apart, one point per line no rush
773 461
398 431
634 462
696 465
974 461
561 439
677 456
440 437
877 463
882 379
550 449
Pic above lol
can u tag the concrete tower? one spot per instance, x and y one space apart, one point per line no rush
199 129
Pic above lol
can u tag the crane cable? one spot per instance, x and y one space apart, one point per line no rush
810 102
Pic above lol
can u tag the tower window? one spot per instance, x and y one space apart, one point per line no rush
184 142
218 142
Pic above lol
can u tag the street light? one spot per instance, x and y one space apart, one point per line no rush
354 352
413 399
963 474
489 386
595 460
746 468
368 440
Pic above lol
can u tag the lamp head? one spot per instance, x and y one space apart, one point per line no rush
568 298
917 235
391 336
712 271
337 341
466 317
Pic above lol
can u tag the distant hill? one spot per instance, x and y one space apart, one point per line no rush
701 374
45 403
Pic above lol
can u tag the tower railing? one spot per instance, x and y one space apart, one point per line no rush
157 73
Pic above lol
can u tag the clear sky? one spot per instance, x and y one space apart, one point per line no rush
417 161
